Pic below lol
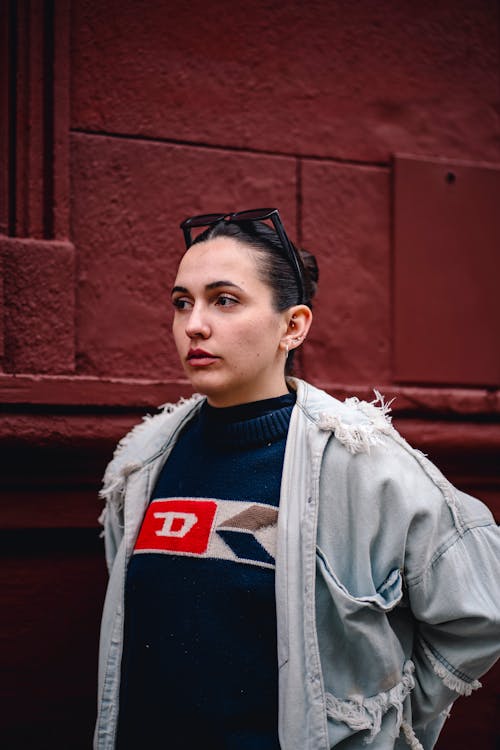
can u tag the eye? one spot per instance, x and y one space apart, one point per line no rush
224 300
181 303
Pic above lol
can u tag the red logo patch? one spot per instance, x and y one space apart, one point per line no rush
177 525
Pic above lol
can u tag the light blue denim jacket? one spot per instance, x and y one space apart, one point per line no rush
387 577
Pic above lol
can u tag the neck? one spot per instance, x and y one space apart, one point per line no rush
221 400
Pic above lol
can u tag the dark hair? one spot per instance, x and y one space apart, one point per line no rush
274 268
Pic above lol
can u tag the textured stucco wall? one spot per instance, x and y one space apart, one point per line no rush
202 107
120 118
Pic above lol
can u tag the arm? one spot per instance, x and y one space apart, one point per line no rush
112 520
144 440
456 603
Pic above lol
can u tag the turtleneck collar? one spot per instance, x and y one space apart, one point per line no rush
251 424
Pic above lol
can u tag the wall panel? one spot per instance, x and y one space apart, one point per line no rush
330 79
128 198
346 221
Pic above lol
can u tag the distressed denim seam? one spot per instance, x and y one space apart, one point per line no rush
457 672
441 551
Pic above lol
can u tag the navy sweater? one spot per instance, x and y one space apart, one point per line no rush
199 665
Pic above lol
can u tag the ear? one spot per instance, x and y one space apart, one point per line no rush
298 320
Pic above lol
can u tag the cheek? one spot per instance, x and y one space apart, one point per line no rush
261 342
177 334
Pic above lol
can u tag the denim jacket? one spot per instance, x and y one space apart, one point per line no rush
387 577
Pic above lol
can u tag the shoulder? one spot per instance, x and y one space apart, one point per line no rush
363 437
357 425
147 438
367 449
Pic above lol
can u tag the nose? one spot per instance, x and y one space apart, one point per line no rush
197 323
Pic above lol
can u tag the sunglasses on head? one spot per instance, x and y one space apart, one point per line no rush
254 214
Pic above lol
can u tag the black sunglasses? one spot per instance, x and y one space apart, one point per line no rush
254 214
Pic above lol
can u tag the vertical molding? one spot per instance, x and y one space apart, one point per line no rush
298 198
7 93
37 271
39 306
39 63
61 118
48 76
5 56
29 162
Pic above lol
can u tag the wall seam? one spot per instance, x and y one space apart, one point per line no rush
226 147
298 198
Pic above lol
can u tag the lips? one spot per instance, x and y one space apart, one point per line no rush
200 358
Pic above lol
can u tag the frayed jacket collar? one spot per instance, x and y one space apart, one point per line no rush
358 425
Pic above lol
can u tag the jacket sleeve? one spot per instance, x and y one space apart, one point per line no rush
112 516
456 604
145 438
112 521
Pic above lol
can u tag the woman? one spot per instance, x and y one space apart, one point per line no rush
285 571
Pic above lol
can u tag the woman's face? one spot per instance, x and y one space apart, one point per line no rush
229 337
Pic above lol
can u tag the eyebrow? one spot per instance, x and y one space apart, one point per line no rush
208 287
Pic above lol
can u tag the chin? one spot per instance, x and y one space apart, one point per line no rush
206 384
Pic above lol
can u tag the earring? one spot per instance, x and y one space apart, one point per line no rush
286 348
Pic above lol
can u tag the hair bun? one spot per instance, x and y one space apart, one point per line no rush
311 272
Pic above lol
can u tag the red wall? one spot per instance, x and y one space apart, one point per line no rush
117 120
